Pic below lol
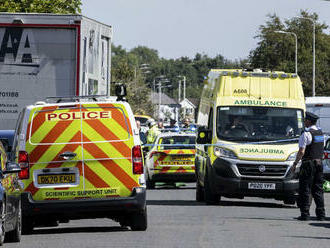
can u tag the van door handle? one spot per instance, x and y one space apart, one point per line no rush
68 155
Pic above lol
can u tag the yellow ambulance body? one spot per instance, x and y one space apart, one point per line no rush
81 159
250 123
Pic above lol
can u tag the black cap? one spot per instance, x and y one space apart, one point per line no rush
310 116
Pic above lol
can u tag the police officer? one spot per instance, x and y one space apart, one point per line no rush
153 131
311 143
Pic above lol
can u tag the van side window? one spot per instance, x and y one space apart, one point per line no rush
210 121
18 129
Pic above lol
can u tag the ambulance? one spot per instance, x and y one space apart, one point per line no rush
250 123
80 157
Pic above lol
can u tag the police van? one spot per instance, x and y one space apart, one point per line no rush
81 157
250 123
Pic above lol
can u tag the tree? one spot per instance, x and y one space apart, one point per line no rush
125 69
42 6
277 51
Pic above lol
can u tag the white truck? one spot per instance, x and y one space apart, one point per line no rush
320 105
45 55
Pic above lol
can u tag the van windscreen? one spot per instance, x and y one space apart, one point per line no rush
258 123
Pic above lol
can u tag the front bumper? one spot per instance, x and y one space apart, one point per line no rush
228 184
85 208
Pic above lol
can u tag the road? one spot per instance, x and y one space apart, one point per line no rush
176 220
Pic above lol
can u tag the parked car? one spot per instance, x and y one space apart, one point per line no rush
7 137
10 197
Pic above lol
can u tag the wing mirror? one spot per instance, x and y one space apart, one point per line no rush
204 135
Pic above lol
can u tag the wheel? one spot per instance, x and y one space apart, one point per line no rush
15 235
199 192
209 196
27 225
150 184
290 201
139 221
2 224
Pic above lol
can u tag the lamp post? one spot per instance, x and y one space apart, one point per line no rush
160 93
296 60
184 87
312 20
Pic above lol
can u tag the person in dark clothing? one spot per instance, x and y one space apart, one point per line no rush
311 145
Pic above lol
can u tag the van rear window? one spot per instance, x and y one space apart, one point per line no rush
76 125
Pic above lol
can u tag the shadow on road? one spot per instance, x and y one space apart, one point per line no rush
309 237
174 203
59 230
169 187
254 204
173 186
322 224
222 203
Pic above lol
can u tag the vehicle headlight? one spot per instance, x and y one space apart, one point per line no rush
292 156
224 153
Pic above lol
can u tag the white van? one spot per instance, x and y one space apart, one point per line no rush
320 105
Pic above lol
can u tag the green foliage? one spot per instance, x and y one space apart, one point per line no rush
276 51
140 69
41 6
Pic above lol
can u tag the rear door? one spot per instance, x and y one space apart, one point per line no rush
107 143
54 145
176 155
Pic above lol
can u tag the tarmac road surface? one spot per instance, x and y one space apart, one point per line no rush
176 220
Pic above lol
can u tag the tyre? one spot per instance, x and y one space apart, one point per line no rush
210 197
2 224
199 192
150 184
289 201
15 235
27 225
139 221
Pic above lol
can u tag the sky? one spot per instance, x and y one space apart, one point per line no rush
177 28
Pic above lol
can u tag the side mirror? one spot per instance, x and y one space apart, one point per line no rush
12 168
204 135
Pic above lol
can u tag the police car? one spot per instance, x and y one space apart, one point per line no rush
81 157
171 159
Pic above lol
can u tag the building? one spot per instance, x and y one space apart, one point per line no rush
169 108
188 109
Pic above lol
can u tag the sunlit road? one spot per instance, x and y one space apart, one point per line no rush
176 220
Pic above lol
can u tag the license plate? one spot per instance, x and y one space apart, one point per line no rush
56 178
270 186
181 157
180 163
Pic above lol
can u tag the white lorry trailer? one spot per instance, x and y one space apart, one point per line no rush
45 55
